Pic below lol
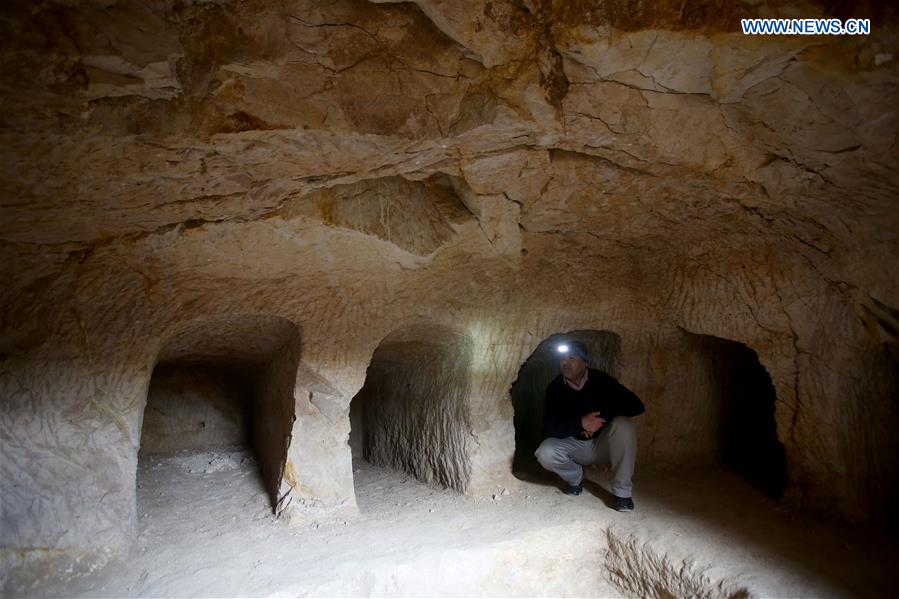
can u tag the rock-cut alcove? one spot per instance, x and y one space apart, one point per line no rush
196 407
226 383
410 414
541 367
744 397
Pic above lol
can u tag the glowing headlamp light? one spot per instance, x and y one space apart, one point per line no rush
562 348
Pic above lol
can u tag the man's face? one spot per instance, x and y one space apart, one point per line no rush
572 367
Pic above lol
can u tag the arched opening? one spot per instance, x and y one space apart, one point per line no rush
410 414
744 397
219 412
198 407
541 367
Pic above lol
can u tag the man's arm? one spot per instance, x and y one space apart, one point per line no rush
620 401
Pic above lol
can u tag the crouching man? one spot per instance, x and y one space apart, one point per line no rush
587 420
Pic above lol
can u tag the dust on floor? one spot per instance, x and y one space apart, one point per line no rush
206 530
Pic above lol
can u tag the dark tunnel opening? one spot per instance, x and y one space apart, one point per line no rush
541 367
745 397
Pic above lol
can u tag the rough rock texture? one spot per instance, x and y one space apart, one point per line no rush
641 571
413 412
263 353
194 408
508 170
705 534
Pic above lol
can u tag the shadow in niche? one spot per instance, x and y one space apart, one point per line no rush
743 392
223 389
734 507
528 391
410 414
748 442
197 406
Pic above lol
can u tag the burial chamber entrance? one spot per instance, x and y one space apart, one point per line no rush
220 403
410 414
744 397
541 367
739 402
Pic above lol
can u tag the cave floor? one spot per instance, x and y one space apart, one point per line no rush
206 529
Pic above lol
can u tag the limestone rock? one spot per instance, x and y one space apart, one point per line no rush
289 184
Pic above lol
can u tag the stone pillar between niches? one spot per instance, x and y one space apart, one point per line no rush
316 482
491 446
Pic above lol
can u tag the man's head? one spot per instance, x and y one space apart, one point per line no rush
573 359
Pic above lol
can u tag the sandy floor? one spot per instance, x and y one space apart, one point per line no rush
206 530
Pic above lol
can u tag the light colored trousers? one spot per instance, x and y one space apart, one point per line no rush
614 445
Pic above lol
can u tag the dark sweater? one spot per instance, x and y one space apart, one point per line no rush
564 407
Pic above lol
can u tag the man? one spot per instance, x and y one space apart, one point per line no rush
586 420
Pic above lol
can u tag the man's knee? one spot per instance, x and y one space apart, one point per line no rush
621 427
548 452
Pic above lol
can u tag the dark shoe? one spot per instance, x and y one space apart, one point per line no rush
624 504
574 489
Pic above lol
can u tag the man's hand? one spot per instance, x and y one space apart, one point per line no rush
591 423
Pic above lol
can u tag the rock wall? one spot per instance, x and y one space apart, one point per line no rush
507 170
194 408
414 414
261 354
272 410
